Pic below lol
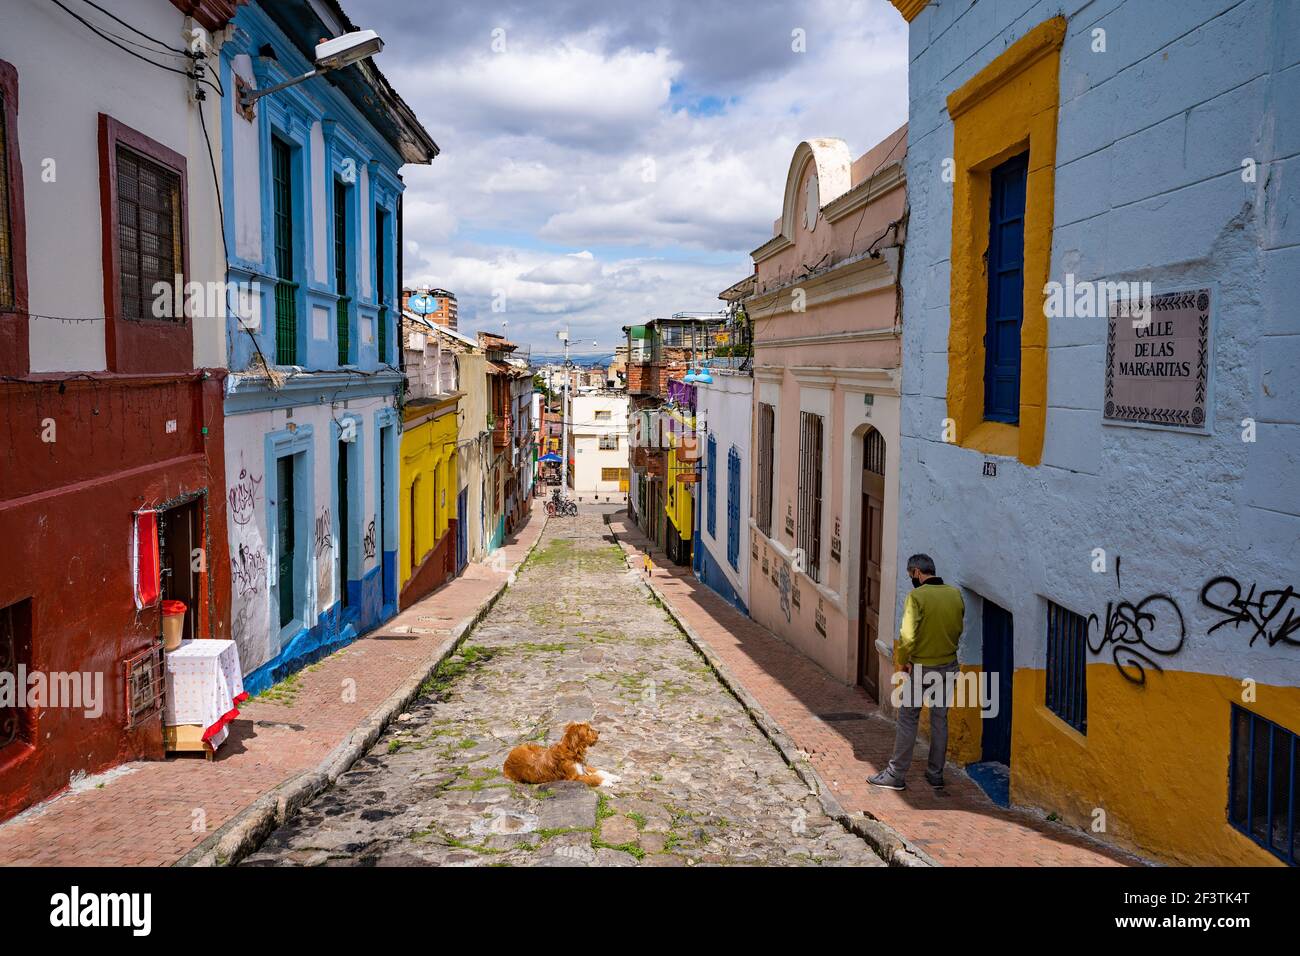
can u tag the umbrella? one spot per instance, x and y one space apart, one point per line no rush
551 457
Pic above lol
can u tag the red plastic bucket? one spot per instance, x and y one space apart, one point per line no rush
173 624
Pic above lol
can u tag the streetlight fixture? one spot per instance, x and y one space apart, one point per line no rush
330 55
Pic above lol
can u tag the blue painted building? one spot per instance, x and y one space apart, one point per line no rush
312 207
724 401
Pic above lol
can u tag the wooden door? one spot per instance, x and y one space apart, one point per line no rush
869 556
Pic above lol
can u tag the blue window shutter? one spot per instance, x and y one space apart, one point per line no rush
733 508
712 479
1005 275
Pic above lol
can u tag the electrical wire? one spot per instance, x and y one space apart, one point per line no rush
109 39
113 16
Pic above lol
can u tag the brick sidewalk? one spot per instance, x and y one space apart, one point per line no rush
957 826
144 813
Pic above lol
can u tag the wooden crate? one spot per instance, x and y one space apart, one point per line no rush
187 738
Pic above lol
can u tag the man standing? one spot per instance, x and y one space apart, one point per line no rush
928 637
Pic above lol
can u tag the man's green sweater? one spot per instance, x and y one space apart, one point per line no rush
932 623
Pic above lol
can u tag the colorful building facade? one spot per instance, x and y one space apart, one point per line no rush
724 409
430 486
826 350
112 475
312 206
1106 470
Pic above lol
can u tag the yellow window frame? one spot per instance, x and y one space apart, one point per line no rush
1008 107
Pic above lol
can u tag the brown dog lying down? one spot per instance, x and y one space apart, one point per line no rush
532 763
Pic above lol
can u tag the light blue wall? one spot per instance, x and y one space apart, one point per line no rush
351 148
1152 134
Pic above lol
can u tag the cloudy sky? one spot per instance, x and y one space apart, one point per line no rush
604 163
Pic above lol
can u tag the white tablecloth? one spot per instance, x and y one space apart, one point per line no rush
204 687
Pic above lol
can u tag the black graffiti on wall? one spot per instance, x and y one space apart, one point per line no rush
248 571
369 543
1138 632
324 532
1262 613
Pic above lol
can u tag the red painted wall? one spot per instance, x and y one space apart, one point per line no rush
435 569
66 512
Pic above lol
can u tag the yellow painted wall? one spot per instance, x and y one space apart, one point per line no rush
679 498
965 733
1155 758
428 457
1006 108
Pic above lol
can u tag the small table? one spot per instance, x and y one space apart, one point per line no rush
204 690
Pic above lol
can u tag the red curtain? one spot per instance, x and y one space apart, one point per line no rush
145 559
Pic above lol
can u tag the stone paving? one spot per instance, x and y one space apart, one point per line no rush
956 826
576 638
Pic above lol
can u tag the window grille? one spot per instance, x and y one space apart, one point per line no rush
1067 671
149 235
1262 777
766 444
810 492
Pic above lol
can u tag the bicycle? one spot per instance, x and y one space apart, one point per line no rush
559 505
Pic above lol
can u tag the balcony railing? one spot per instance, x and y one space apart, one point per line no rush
286 323
501 431
344 324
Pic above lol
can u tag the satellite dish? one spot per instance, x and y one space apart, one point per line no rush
421 303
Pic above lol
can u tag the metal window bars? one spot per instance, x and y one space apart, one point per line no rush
766 443
144 683
1262 774
1067 666
809 516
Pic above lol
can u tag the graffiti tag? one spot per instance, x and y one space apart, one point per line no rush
248 571
369 542
243 497
1264 612
324 532
785 586
1136 631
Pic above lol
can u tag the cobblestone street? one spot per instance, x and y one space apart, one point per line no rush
575 638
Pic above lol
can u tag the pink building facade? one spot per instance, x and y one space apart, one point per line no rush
826 327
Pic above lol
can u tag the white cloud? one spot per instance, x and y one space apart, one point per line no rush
581 137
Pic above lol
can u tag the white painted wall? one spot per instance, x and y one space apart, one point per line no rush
254 617
724 410
67 76
585 432
321 211
1152 191
247 172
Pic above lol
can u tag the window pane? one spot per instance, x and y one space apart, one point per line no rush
1240 765
148 233
1281 790
1259 783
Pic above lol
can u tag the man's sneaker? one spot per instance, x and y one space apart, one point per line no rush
934 779
887 781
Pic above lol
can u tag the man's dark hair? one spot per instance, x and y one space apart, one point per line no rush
921 562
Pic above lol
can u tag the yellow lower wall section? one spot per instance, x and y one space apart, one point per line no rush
1155 758
965 739
429 467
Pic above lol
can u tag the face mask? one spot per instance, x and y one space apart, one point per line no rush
916 582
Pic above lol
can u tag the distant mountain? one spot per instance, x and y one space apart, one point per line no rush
582 361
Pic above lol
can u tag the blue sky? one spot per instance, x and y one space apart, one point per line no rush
604 163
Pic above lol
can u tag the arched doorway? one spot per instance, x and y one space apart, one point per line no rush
869 554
